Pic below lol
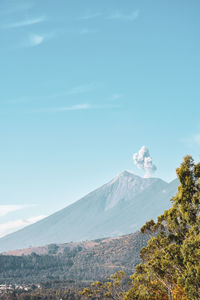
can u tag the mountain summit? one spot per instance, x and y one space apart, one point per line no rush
121 206
126 186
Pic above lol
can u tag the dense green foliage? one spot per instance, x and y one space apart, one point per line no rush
113 288
171 260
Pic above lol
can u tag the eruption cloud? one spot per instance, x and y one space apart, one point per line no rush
143 160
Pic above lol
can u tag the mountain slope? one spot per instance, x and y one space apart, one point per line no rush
119 207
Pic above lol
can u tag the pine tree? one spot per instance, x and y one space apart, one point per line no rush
111 289
171 260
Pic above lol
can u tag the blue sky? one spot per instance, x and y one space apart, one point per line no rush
85 84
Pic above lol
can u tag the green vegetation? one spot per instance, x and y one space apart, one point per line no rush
83 262
43 294
52 249
114 288
171 259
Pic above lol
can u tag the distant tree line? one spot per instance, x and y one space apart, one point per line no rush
74 263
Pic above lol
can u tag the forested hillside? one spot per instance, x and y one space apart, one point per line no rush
76 261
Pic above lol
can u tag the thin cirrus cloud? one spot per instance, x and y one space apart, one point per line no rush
76 90
12 226
35 40
6 209
73 107
78 107
79 89
38 39
91 16
25 23
113 16
68 108
124 17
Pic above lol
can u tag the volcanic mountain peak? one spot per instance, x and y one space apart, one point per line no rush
127 186
120 206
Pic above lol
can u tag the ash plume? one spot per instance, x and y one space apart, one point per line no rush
143 160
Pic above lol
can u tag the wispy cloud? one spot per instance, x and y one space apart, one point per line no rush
6 209
83 30
73 91
12 226
35 40
91 16
25 23
117 15
73 107
77 107
38 39
66 108
76 90
124 17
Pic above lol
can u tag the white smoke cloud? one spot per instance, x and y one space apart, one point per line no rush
143 160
